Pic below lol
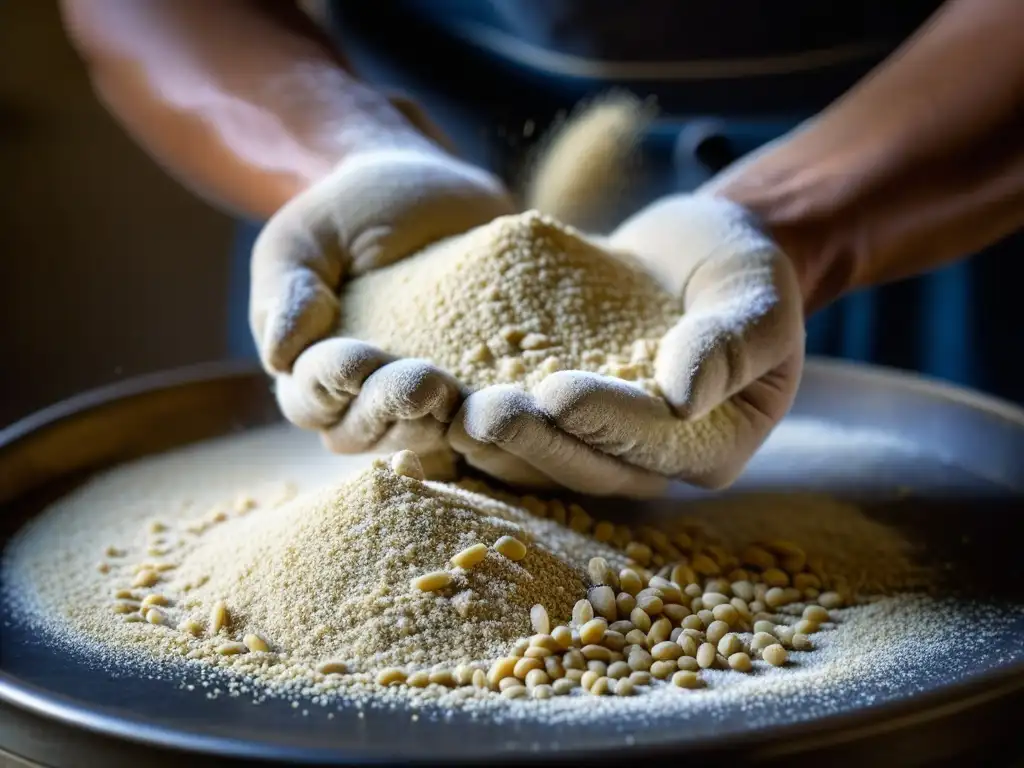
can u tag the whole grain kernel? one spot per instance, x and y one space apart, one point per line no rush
757 557
520 646
651 604
775 577
687 679
775 597
660 670
687 663
640 659
763 625
479 678
624 687
510 547
151 600
622 626
582 612
603 600
743 590
706 655
231 649
544 641
433 581
639 552
407 464
470 556
726 612
589 678
418 679
742 609
806 581
641 620
730 644
675 613
537 677
540 692
716 631
524 666
696 605
603 686
255 643
640 677
593 631
603 531
155 616
629 581
562 635
806 627
624 603
564 686
515 692
596 653
705 566
670 593
660 630
333 667
573 659
688 645
598 570
801 642
146 578
740 662
501 669
597 665
775 655
706 617
537 652
191 627
692 622
666 651
618 670
539 619
219 617
693 591
613 641
762 640
830 600
676 634
816 614
125 606
553 666
710 600
785 634
636 637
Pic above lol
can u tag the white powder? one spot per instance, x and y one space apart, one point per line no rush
874 653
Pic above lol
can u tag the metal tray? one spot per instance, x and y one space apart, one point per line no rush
968 482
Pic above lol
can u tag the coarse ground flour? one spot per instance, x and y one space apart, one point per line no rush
326 576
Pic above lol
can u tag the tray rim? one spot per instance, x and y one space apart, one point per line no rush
830 730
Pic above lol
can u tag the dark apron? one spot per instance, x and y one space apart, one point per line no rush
942 324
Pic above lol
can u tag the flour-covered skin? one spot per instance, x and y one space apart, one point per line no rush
376 208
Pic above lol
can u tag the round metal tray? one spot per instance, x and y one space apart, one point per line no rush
968 480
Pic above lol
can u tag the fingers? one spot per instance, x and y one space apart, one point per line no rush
405 390
743 318
620 420
292 298
509 419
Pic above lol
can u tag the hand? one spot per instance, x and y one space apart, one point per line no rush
736 354
377 207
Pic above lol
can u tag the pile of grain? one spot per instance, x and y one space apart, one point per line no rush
513 301
330 576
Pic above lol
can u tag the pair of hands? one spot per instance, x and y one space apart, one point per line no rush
740 340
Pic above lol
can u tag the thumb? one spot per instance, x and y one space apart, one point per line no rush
743 319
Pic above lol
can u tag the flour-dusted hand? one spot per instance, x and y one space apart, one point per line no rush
377 207
728 370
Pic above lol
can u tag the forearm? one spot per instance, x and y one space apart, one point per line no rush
920 164
242 100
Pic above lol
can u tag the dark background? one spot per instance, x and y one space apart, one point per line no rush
108 269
